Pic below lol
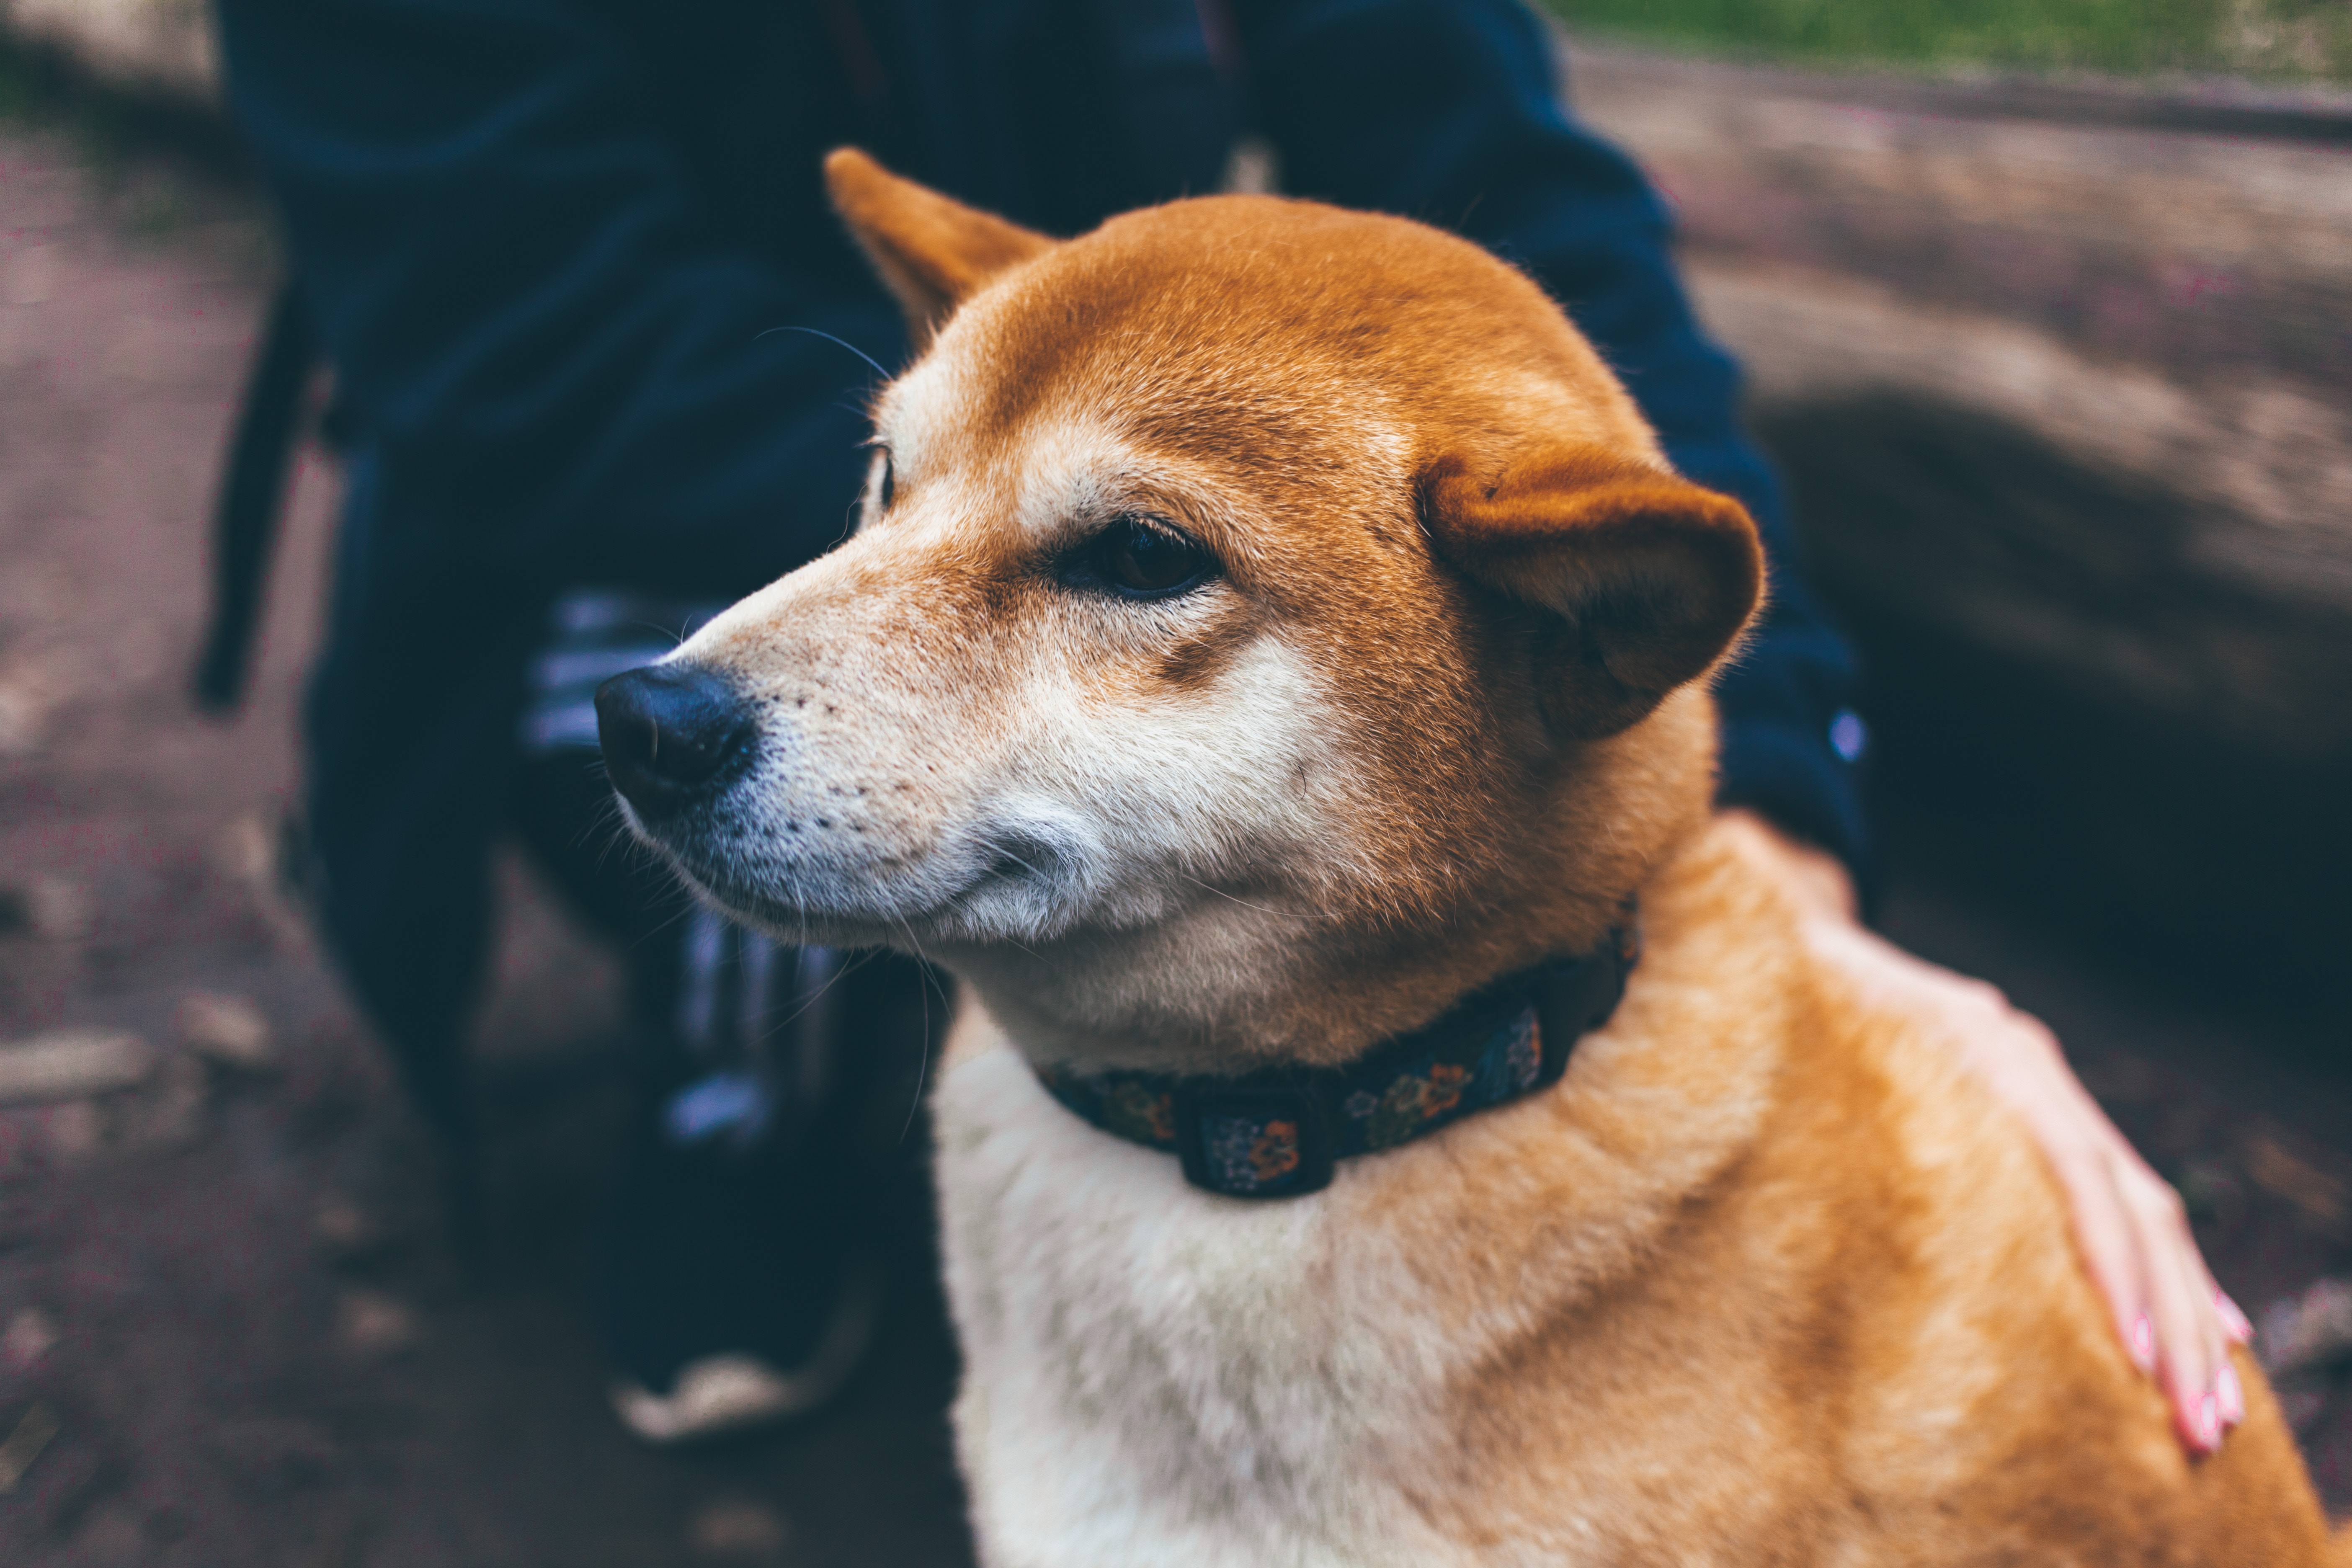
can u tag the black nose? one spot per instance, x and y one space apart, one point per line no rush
671 731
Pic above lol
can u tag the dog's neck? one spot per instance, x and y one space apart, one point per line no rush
1234 981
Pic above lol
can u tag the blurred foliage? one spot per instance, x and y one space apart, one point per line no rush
2306 39
44 88
158 168
39 87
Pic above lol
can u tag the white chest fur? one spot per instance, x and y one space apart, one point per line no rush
1154 1375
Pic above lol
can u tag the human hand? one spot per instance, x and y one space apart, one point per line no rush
2129 1224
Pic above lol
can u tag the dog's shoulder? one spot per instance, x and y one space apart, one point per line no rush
1954 1347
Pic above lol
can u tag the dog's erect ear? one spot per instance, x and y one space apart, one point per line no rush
931 251
1647 577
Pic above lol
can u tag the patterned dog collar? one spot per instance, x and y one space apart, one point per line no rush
1280 1132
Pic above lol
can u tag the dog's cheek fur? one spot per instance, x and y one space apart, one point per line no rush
1143 792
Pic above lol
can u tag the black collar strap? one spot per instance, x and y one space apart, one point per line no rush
1278 1133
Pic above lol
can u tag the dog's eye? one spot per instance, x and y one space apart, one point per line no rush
1148 561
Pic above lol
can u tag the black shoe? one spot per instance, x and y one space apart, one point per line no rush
731 1301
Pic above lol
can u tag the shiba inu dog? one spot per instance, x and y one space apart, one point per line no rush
1386 1121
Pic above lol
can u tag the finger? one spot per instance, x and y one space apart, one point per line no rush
2104 1232
2179 1333
2188 1332
2231 1394
2234 1322
2192 1347
2220 1332
2220 1319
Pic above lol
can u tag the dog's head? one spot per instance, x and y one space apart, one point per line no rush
1264 623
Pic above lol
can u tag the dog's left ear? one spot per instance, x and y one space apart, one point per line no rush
932 252
1647 578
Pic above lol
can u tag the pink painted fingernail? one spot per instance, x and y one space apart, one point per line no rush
2207 1434
2233 1322
2231 1397
2143 1343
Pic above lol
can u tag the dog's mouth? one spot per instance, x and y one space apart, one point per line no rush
740 868
1025 875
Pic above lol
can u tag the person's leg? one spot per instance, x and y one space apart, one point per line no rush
739 1281
736 1284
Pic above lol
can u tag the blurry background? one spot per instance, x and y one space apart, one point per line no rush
2048 312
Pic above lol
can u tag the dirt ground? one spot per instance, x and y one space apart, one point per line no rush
225 1291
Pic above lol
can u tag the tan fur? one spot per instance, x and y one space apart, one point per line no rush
1763 1280
931 251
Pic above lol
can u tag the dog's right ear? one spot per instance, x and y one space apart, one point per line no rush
932 252
1644 578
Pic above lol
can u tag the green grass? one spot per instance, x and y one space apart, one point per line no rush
2291 40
